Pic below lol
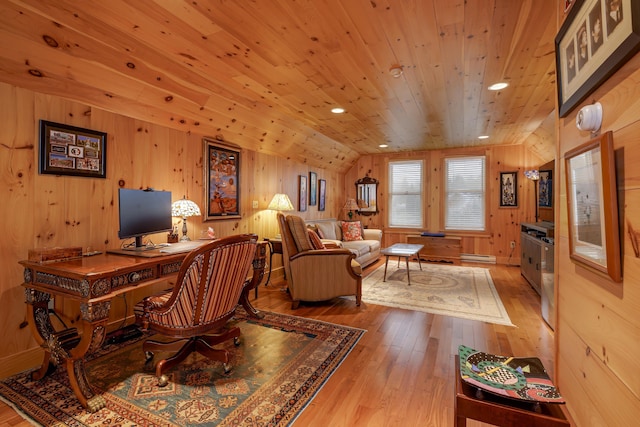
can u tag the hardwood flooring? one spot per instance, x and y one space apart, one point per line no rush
401 373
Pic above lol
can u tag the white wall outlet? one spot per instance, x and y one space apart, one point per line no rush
254 205
513 244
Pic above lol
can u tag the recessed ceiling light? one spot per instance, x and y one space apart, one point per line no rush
383 145
337 110
498 86
483 137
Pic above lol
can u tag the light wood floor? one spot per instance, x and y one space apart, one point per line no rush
401 372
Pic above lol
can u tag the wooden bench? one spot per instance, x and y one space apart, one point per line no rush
438 249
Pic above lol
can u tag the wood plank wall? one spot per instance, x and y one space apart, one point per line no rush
598 326
49 211
503 223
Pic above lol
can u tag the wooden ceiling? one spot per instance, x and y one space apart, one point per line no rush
265 73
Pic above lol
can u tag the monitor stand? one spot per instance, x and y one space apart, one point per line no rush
138 250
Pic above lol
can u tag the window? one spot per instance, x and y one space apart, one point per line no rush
405 193
464 194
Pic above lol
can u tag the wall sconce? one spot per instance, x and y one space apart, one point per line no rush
184 208
590 117
534 175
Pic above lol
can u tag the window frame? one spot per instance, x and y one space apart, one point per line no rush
422 193
486 195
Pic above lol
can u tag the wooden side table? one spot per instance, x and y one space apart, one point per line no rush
275 247
495 410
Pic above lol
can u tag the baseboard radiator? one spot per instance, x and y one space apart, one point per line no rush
486 259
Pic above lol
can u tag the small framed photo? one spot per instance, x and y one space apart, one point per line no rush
322 190
302 193
592 199
508 189
313 188
70 150
222 180
545 189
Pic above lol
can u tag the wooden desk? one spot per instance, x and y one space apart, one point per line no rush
495 410
94 282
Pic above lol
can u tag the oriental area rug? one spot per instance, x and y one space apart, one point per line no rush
280 365
464 292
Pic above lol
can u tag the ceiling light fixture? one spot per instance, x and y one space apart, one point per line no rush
337 110
383 145
395 71
483 137
498 86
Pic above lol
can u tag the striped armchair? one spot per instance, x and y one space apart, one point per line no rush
316 274
195 312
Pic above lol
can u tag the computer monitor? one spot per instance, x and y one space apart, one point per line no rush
143 212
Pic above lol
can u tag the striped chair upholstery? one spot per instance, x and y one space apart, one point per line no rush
204 298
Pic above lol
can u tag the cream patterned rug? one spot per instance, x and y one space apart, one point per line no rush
465 292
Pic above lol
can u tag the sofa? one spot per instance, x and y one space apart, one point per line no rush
365 243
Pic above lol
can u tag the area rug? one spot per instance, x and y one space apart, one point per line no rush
465 292
281 363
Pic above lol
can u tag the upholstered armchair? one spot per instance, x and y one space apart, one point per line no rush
316 274
194 313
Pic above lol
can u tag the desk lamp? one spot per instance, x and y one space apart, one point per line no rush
534 175
350 206
184 208
280 203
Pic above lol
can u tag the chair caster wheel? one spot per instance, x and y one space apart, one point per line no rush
227 367
236 341
163 381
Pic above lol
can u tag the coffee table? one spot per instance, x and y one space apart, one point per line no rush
401 250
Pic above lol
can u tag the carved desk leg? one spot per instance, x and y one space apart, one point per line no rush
258 273
67 346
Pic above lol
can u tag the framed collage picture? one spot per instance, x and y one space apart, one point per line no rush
70 150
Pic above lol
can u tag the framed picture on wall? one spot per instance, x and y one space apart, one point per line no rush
545 189
508 189
222 180
595 40
313 188
70 150
322 190
592 200
302 193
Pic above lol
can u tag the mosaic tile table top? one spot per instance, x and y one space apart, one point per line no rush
519 378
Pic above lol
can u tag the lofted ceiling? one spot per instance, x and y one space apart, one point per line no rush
264 74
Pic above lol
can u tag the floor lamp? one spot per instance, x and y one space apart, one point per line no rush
280 203
534 175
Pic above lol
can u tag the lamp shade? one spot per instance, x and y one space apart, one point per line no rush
351 205
280 202
533 174
184 208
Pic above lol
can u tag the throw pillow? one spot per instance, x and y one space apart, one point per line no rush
327 229
351 230
315 240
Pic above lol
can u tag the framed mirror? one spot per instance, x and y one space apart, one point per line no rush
367 195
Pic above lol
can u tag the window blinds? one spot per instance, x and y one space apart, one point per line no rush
405 193
465 193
